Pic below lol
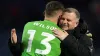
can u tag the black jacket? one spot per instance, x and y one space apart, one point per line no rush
77 43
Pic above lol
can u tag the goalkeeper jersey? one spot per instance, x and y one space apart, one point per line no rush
38 39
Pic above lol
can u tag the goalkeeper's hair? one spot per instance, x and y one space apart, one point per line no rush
52 7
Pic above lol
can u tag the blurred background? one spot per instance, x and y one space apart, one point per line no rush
16 13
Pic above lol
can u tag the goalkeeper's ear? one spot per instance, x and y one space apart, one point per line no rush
44 13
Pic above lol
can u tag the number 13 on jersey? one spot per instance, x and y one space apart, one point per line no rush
44 42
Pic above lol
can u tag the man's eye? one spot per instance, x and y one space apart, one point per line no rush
68 20
63 18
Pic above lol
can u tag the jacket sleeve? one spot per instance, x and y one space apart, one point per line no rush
77 47
15 48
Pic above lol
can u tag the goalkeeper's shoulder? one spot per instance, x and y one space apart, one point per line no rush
31 22
28 23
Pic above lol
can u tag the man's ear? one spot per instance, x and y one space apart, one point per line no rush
44 13
77 23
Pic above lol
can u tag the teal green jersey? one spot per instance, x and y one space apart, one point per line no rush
38 39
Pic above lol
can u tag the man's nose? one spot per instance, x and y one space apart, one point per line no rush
65 21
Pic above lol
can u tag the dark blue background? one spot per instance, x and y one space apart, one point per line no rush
15 13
